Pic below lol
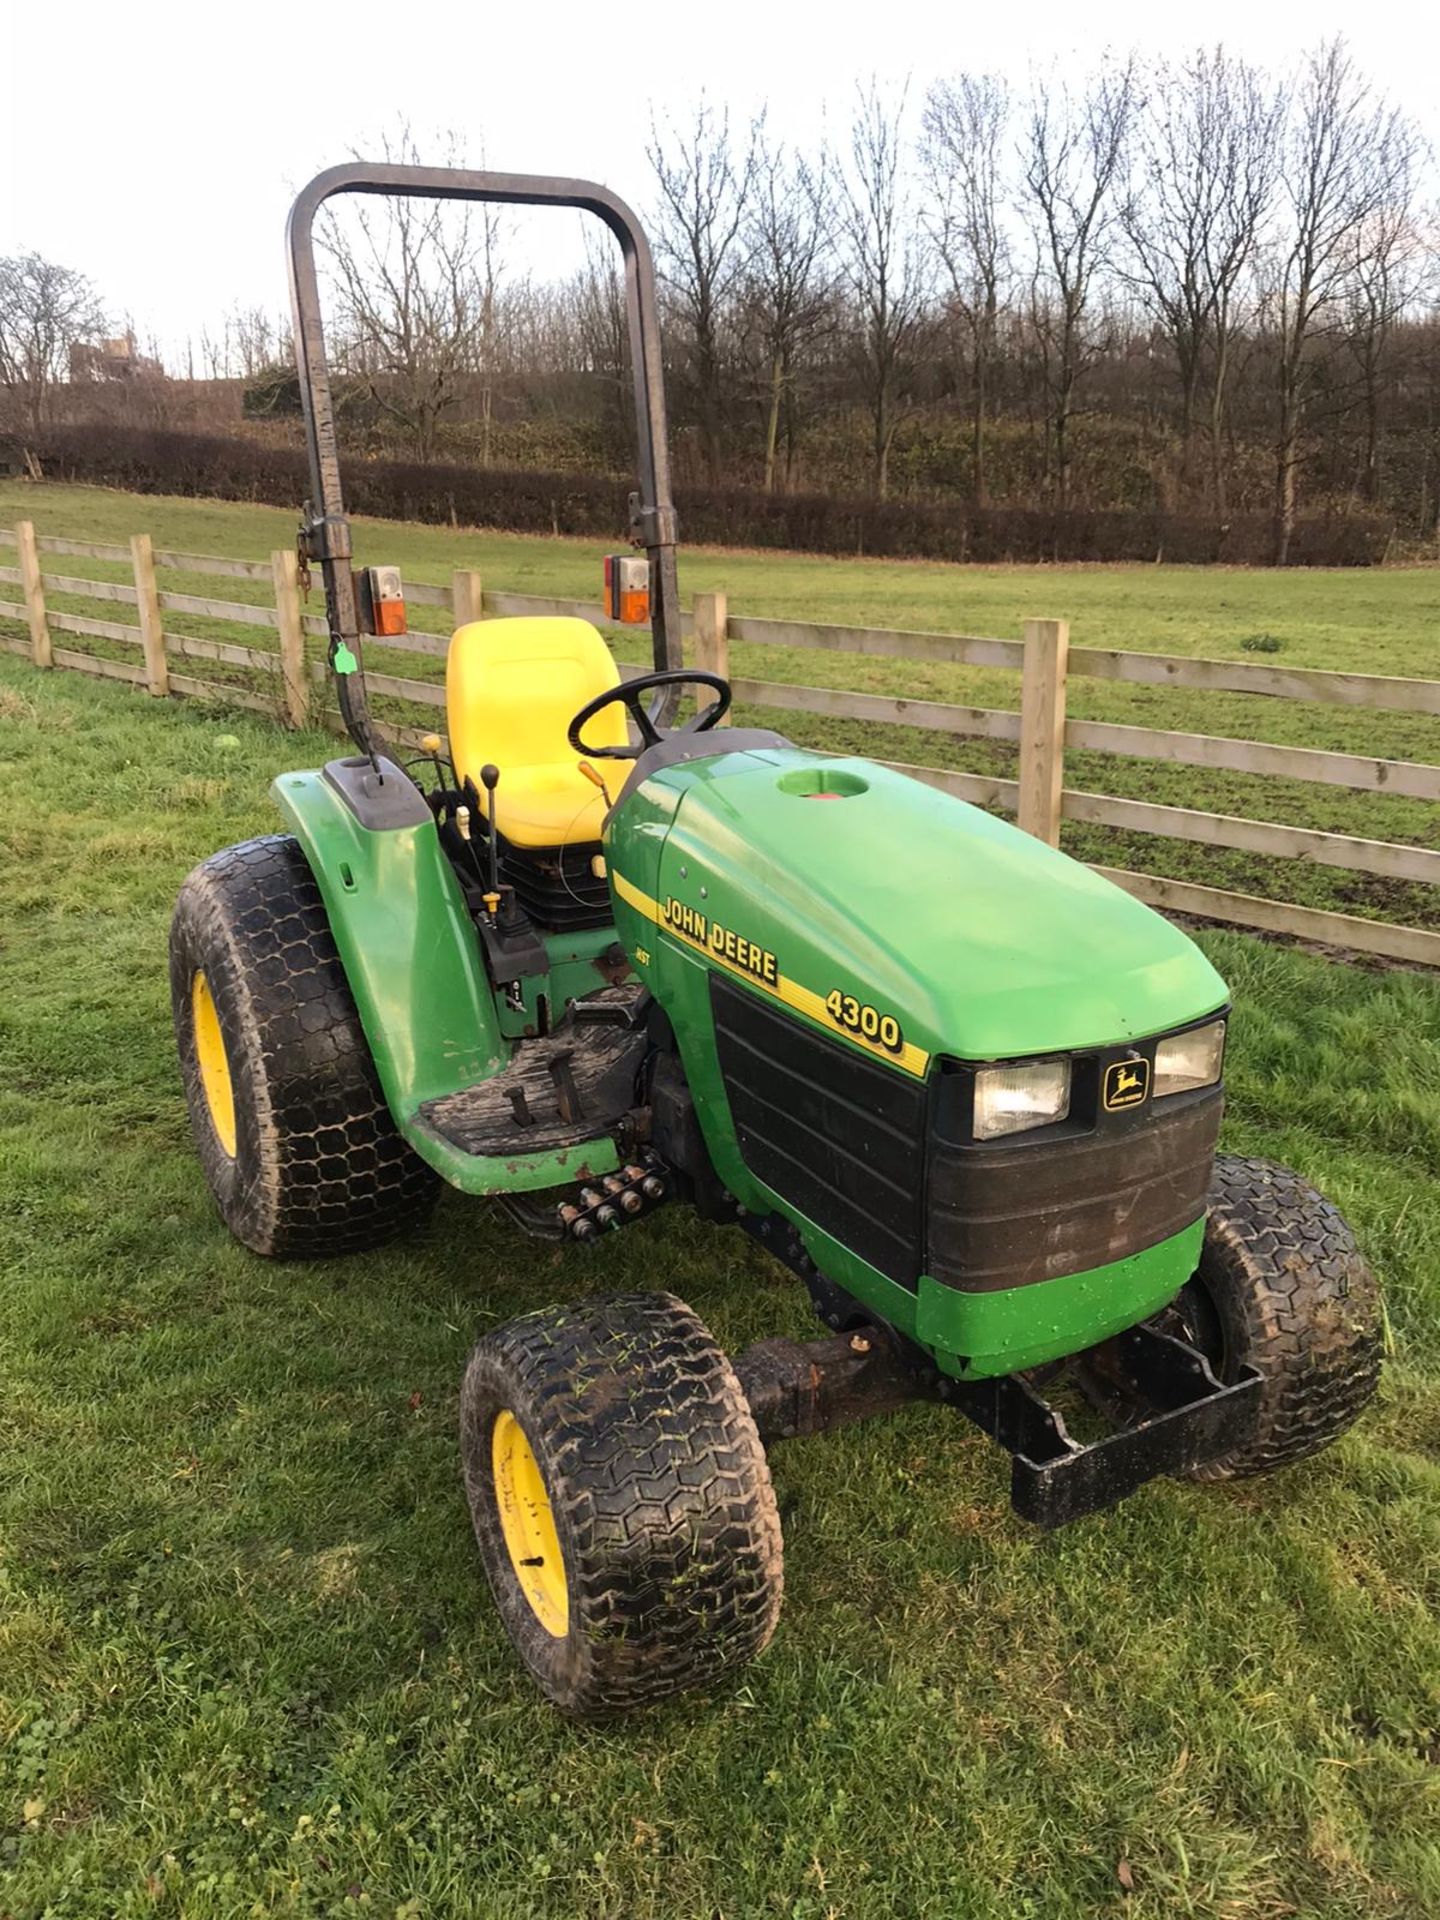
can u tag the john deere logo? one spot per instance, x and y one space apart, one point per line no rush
1126 1084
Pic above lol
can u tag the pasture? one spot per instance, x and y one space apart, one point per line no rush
247 1666
1381 622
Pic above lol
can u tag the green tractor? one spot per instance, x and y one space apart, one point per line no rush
595 957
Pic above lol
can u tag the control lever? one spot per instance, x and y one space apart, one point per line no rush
490 779
584 766
462 827
514 951
430 744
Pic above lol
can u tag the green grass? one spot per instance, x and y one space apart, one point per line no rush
1367 621
247 1665
1363 620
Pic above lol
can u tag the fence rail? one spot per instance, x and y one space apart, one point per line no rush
1038 727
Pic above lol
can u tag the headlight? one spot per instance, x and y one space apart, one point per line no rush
1011 1099
1189 1060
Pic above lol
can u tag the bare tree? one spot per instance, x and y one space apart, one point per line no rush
486 339
965 123
1204 179
603 338
46 310
1345 157
415 289
251 342
1388 270
699 237
1425 357
1073 152
789 291
885 266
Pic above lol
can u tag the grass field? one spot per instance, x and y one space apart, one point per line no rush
247 1666
1365 621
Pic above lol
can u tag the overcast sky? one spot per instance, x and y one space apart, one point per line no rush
156 146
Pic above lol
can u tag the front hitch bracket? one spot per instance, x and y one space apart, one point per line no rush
1183 1415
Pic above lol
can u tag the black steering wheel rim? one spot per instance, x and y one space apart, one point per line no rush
629 693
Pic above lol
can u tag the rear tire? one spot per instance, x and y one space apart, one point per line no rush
1282 1287
289 1121
621 1501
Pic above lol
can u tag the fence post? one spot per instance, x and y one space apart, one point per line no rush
1042 727
712 638
294 683
465 595
147 601
34 588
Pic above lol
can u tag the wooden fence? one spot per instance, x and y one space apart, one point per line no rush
1039 728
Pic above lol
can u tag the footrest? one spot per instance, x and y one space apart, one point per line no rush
1189 1417
572 1085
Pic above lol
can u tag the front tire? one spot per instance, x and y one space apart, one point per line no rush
291 1127
1282 1287
621 1501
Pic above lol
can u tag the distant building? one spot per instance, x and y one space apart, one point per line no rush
113 360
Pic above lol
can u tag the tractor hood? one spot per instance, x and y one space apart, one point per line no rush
868 900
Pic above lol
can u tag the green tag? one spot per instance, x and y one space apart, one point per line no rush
343 660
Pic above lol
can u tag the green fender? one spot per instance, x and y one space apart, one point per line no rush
413 964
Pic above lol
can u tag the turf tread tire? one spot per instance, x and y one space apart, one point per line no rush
660 1491
319 1166
1293 1296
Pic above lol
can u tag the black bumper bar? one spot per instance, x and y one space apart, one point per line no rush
1183 1415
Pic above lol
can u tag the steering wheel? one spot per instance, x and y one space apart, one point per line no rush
628 693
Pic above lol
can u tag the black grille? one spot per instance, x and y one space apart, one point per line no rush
1006 1214
889 1169
557 889
837 1136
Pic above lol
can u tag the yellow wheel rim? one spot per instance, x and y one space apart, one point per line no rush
529 1525
215 1079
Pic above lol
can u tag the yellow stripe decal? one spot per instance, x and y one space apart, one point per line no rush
910 1058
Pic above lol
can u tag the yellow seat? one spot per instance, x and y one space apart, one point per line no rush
512 687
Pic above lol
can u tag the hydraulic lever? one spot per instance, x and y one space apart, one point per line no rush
584 766
490 779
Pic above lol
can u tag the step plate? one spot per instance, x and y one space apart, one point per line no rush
572 1085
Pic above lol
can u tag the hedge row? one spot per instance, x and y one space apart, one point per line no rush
525 502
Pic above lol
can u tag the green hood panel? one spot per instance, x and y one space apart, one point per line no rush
980 940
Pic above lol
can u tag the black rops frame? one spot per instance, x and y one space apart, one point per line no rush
327 530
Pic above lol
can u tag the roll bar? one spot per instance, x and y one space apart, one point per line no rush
326 532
